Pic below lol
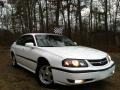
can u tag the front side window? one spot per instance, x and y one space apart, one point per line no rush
53 41
25 39
21 41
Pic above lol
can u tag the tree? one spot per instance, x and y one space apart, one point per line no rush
47 22
1 3
79 13
57 12
41 17
106 15
68 17
116 13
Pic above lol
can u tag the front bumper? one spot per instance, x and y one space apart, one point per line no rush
67 77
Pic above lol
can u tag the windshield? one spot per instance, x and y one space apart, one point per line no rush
53 41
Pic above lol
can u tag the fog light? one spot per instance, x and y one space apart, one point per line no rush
79 81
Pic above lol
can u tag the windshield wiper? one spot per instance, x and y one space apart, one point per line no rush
47 46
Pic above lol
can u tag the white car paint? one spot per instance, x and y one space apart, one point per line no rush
55 56
77 52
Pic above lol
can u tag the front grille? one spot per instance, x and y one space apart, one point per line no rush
98 62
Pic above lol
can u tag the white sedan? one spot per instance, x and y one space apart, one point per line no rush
57 59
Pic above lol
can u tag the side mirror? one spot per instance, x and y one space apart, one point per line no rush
75 43
29 44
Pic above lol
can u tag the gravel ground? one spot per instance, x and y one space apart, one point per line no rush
21 79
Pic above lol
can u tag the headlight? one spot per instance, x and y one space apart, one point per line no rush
74 63
109 58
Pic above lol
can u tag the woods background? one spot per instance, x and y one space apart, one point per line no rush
94 23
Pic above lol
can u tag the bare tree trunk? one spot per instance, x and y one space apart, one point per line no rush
21 23
106 16
12 20
35 20
30 17
68 17
1 11
115 24
116 13
46 16
110 15
41 17
62 11
79 13
57 12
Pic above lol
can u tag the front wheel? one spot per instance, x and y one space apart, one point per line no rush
45 75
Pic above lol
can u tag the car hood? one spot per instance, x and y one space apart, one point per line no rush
77 52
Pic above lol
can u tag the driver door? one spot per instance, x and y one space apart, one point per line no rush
29 55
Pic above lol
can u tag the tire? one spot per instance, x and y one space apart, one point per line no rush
45 75
14 63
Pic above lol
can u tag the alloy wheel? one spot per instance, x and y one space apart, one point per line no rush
45 75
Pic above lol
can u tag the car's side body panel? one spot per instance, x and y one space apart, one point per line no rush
28 57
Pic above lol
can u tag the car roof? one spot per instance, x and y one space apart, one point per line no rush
40 34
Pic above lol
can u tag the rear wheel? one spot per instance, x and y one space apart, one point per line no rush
14 63
45 75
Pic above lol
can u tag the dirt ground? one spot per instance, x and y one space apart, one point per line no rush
21 79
